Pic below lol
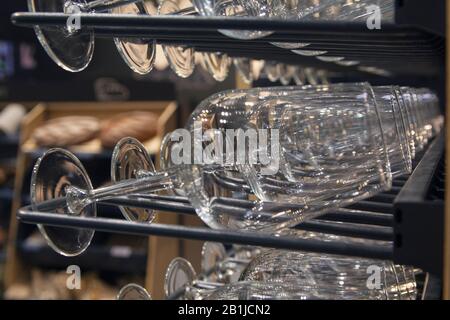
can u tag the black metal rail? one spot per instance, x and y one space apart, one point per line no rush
386 49
373 220
419 213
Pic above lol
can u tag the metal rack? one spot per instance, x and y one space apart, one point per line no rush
415 46
393 50
370 224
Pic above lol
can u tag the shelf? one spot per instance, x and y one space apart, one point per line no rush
376 219
386 49
419 213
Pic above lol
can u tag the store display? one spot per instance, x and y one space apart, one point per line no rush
312 190
312 179
137 124
66 131
140 55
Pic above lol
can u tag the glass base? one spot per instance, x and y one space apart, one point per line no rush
55 172
181 59
71 50
179 273
216 64
129 160
138 55
133 292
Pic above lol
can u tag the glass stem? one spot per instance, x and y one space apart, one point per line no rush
77 199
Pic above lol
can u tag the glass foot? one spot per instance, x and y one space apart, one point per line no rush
179 273
53 175
130 159
133 292
68 47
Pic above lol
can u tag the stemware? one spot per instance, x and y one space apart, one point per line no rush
309 182
181 281
333 277
209 187
182 59
72 49
133 291
219 266
345 277
297 182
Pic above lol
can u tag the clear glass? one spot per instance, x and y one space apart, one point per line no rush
309 10
243 67
318 276
332 276
72 48
182 281
331 152
53 175
133 291
220 266
138 54
181 59
216 64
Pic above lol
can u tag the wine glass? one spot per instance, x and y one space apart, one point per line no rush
297 192
72 48
219 266
182 281
133 291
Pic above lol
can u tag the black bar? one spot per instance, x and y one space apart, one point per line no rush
373 206
203 23
340 229
205 234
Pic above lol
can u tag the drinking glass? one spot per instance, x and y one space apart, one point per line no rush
72 49
333 277
133 291
313 177
181 280
222 267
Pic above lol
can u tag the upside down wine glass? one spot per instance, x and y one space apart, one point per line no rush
309 10
332 276
133 291
221 266
313 176
72 49
182 280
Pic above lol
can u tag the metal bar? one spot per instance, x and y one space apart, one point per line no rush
373 206
341 229
205 23
205 234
